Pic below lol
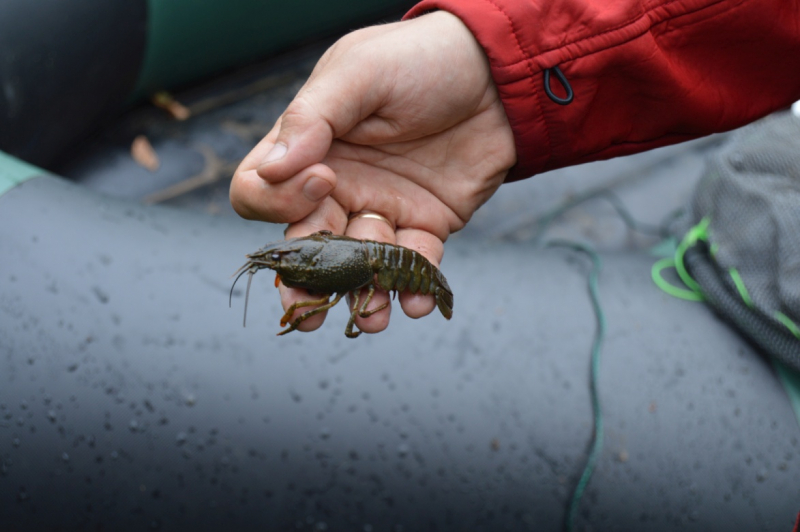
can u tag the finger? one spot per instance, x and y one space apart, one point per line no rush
341 92
329 216
304 137
257 154
390 185
374 226
432 248
372 229
283 202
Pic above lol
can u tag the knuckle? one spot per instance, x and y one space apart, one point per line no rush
297 113
347 41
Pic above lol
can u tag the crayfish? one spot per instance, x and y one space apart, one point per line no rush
330 265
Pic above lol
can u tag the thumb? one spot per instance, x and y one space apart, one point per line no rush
338 96
304 138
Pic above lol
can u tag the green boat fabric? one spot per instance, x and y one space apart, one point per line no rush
187 39
14 171
743 248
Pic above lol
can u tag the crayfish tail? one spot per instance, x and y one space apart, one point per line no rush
444 300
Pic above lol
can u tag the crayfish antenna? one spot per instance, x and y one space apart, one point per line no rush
250 269
250 272
241 271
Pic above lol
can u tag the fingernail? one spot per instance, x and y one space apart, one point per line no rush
316 188
277 152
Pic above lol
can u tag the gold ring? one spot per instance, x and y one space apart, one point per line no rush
370 215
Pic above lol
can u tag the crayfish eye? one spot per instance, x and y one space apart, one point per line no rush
276 256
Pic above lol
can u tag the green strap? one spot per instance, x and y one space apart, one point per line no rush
14 171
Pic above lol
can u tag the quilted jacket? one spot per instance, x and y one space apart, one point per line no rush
644 73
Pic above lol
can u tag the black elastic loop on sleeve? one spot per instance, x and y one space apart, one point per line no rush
564 83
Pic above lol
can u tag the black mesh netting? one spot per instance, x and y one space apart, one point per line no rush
750 194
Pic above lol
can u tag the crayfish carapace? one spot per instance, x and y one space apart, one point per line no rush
326 264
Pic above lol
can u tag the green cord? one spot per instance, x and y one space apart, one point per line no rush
694 293
696 233
739 283
674 291
788 323
599 338
788 378
785 320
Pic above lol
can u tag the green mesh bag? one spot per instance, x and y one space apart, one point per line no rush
743 251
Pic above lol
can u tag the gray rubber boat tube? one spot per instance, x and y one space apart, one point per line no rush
131 396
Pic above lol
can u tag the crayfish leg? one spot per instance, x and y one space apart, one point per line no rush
277 279
361 310
325 302
348 331
299 304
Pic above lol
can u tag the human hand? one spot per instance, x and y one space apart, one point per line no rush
402 120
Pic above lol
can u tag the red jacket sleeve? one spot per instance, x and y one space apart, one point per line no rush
645 73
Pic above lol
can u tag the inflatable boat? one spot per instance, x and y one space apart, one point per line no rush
131 398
